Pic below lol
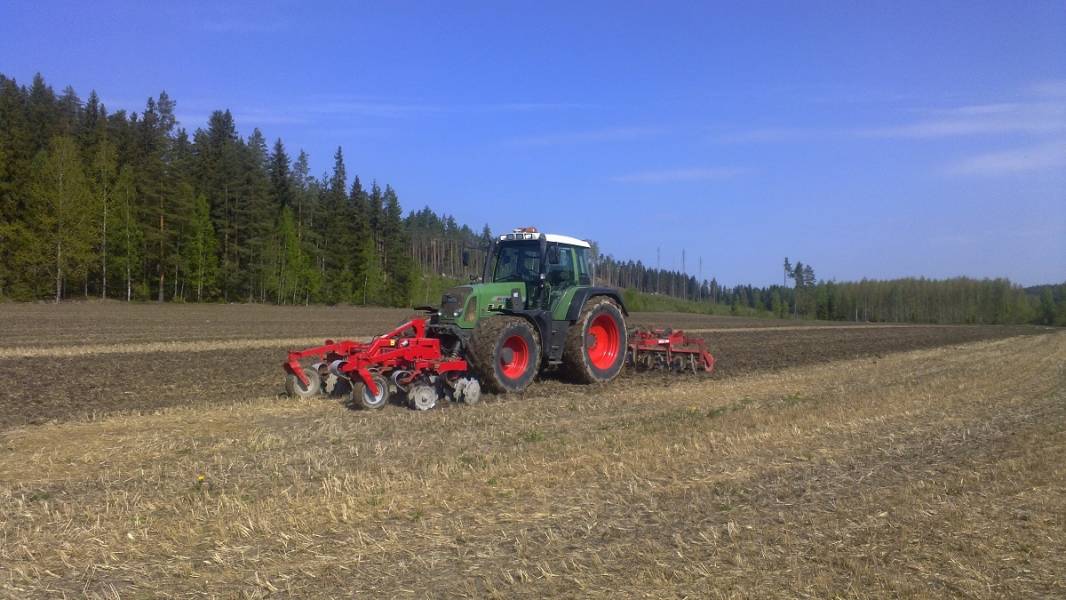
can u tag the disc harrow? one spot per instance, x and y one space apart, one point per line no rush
668 350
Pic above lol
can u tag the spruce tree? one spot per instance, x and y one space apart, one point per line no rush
258 215
281 182
339 244
42 112
301 190
397 260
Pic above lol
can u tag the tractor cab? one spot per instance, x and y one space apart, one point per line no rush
546 265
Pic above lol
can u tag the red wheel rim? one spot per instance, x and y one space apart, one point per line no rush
516 367
605 342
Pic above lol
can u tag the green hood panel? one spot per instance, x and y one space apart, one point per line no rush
466 304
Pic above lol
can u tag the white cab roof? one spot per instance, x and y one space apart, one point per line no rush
518 235
565 239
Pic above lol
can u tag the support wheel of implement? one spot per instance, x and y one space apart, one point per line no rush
296 389
422 397
505 353
596 343
361 396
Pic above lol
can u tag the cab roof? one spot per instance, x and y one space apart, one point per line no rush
565 239
551 237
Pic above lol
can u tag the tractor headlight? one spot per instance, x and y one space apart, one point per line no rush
470 312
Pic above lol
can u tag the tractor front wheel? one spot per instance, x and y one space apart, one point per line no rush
505 353
596 344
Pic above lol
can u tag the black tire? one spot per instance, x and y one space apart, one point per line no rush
361 396
296 389
581 362
496 337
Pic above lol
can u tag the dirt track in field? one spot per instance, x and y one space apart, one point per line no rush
117 358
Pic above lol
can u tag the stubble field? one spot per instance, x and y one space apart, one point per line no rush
146 451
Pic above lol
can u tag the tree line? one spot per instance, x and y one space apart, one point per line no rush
959 300
132 206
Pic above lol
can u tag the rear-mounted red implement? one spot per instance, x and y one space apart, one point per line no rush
669 350
402 359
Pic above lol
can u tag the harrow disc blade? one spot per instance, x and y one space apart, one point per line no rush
422 397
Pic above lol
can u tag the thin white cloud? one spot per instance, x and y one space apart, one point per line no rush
1041 112
773 135
680 175
378 108
368 109
268 117
323 111
1054 89
1038 118
1018 160
616 134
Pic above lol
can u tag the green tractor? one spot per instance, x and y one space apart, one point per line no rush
534 307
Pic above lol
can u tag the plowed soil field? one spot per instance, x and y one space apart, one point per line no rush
88 360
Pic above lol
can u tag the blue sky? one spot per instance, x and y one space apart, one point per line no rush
875 139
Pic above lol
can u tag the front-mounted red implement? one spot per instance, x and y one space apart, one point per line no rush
403 360
668 350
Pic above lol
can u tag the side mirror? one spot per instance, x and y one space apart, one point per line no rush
466 258
553 255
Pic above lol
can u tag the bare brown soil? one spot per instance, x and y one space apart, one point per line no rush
924 474
36 326
120 358
102 323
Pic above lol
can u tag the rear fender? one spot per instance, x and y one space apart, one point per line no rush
583 295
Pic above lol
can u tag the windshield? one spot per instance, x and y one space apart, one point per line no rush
518 261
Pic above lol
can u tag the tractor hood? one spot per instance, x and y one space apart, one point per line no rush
465 304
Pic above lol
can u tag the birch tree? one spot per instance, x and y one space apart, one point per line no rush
62 209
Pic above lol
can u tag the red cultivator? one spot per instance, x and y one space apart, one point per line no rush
405 357
668 350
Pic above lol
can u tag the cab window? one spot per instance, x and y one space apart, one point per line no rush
518 261
584 275
562 275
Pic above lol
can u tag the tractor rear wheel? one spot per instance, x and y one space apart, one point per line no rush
505 353
596 343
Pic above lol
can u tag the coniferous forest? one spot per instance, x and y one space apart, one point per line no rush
132 206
